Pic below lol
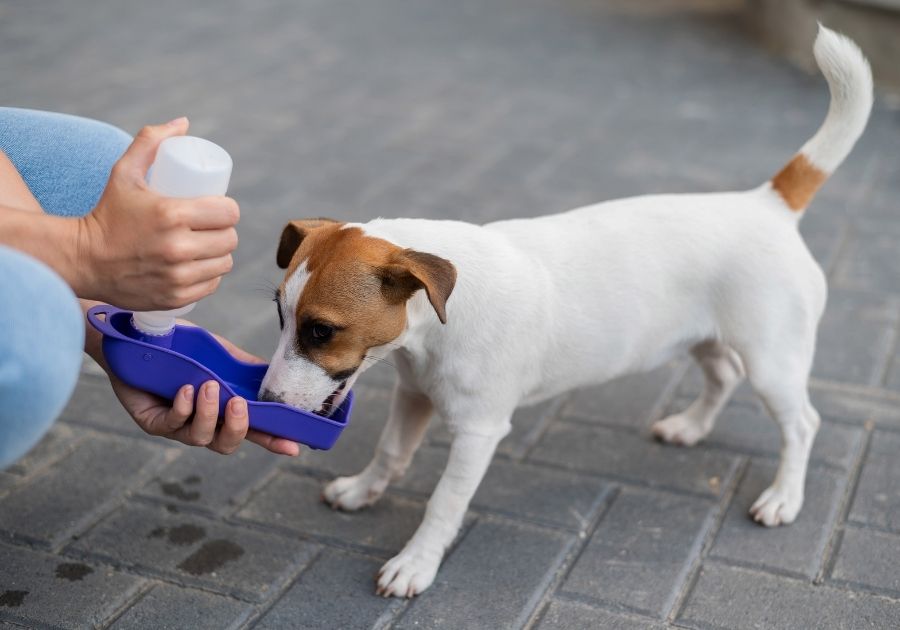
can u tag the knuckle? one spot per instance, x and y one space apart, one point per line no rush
170 213
117 171
174 251
176 276
147 131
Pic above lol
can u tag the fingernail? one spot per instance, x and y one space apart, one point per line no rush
177 121
188 393
238 406
211 391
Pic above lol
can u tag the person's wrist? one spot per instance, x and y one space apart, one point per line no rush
84 241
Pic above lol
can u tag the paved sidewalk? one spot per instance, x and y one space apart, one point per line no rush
472 110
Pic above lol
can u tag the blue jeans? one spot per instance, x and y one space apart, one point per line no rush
65 161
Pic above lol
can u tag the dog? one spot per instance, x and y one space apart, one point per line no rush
544 305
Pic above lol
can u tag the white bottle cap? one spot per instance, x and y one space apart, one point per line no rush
184 167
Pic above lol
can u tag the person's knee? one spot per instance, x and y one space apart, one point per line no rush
40 351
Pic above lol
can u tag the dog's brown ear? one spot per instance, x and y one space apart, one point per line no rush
410 271
292 235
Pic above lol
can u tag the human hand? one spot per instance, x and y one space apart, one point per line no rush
142 251
179 420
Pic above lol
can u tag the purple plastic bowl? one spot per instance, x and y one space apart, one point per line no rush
195 356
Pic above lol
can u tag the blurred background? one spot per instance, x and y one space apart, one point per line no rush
460 109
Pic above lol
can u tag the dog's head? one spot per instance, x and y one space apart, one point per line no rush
344 294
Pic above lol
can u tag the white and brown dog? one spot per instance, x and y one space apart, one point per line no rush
541 306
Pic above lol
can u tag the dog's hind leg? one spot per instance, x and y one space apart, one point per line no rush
781 381
399 440
722 371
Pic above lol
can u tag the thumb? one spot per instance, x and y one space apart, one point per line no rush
140 155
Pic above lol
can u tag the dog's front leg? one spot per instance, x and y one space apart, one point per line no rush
399 440
412 570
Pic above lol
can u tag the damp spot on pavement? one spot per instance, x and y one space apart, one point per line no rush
175 490
180 534
12 599
73 571
212 556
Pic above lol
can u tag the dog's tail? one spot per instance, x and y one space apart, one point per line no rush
850 83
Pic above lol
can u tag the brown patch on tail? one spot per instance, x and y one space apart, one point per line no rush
798 182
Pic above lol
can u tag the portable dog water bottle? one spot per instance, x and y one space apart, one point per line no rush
150 352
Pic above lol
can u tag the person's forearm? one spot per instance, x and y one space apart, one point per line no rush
58 242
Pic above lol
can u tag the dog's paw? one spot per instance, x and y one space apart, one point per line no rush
351 493
777 506
679 429
407 574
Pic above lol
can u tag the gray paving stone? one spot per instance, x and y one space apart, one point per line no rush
518 490
635 458
40 588
523 561
94 405
528 423
640 554
877 498
8 482
56 444
870 559
336 591
855 336
194 550
69 496
568 615
749 429
873 406
868 261
797 548
208 480
630 401
168 607
292 503
731 597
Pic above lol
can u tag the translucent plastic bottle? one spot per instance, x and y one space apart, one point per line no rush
185 166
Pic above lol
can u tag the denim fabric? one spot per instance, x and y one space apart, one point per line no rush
65 161
40 350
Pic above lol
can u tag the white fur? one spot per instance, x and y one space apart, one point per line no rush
545 305
850 83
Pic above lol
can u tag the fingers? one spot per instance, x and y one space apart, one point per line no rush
202 429
140 155
206 244
202 271
233 429
211 213
279 446
176 417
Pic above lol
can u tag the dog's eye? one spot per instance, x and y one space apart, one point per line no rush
278 308
322 332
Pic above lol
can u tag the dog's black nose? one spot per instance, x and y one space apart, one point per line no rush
270 396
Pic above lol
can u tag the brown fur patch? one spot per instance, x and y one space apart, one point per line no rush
798 182
348 289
